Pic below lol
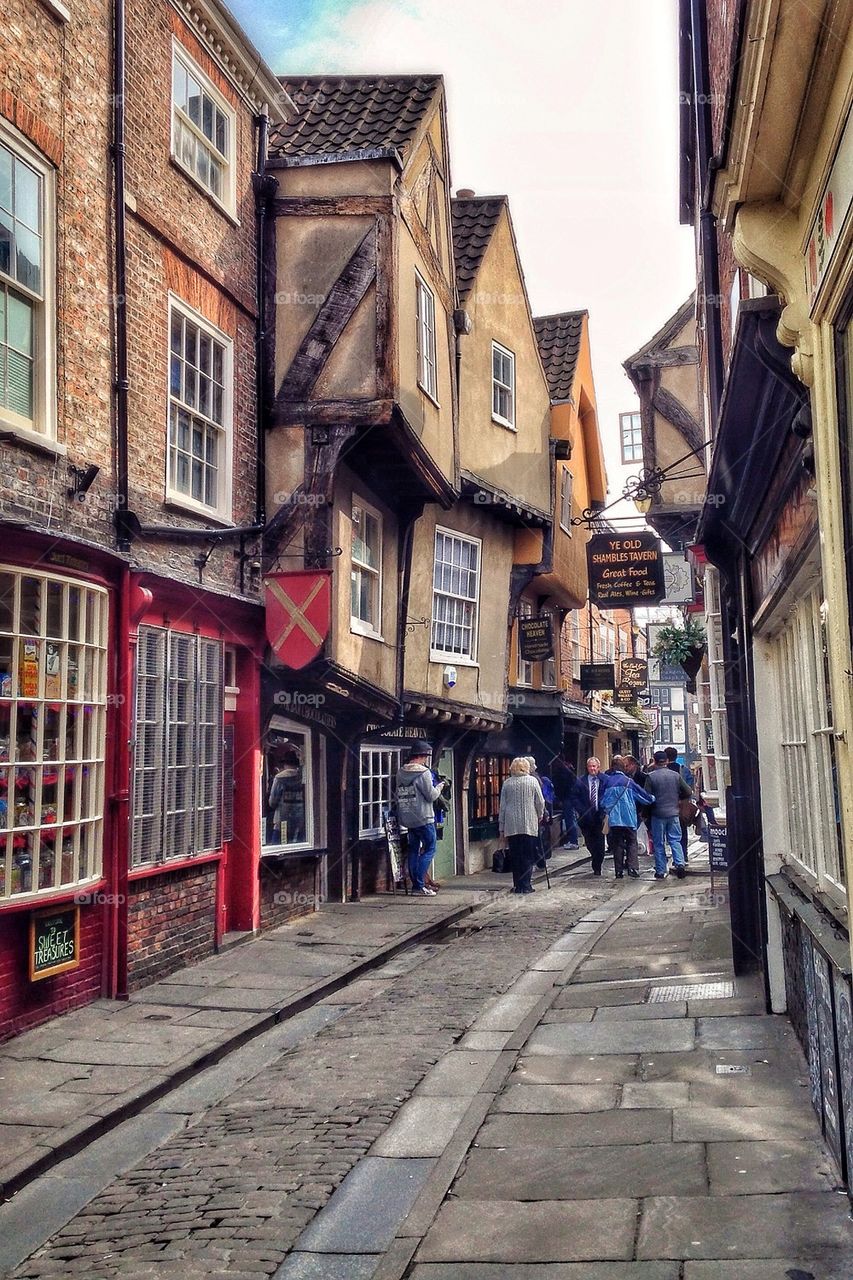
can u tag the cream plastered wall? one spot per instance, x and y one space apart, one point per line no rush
311 253
482 684
515 462
432 418
372 659
351 178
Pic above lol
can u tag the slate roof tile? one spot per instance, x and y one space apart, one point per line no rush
474 221
352 113
559 339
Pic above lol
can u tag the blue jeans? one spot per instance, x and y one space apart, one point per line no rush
667 829
571 835
421 841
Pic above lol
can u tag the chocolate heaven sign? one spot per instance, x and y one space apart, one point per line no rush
625 571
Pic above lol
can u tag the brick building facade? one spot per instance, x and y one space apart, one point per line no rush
131 634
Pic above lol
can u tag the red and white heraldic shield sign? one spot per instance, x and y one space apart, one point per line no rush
299 613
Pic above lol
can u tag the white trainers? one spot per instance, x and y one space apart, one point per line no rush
425 892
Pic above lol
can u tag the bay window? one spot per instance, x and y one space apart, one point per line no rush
53 696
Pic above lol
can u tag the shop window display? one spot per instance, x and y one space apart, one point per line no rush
52 732
286 786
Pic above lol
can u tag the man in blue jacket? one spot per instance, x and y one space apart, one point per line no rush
619 801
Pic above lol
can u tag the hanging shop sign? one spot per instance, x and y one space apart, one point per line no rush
634 673
54 941
625 571
718 849
597 676
298 615
624 695
536 639
678 586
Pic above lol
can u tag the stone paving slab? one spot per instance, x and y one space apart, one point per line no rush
551 1271
422 1127
327 1266
640 1012
507 1013
544 1231
769 1226
593 1129
568 1015
699 1067
829 1268
586 994
661 1034
659 1094
534 1173
758 1124
485 1040
743 1033
738 1168
459 1074
538 1068
551 1099
364 1213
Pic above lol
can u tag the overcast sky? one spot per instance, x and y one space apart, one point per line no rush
568 106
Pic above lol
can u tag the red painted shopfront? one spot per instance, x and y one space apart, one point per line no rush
129 774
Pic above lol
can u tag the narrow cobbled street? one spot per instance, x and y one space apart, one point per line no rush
567 1078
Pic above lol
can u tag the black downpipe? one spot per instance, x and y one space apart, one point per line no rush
263 127
122 386
708 248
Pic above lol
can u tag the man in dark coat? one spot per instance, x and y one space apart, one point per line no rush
590 816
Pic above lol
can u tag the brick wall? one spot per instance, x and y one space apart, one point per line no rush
171 922
56 93
288 890
375 874
24 1004
181 242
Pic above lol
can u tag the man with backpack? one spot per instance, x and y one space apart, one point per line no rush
619 801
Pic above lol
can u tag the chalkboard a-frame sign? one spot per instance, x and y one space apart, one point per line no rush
54 941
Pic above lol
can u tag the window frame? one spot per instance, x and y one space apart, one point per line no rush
42 427
446 656
166 734
378 749
314 831
223 510
567 491
426 362
509 422
524 672
86 653
358 625
228 204
630 455
550 667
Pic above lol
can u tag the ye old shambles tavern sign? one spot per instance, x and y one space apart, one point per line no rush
624 571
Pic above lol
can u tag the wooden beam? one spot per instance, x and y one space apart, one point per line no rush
333 317
307 413
423 244
325 206
669 407
670 356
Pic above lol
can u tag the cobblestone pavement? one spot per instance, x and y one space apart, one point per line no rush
228 1194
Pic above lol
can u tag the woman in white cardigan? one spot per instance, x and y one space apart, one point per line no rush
521 809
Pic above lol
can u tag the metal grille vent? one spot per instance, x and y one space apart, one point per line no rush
692 991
